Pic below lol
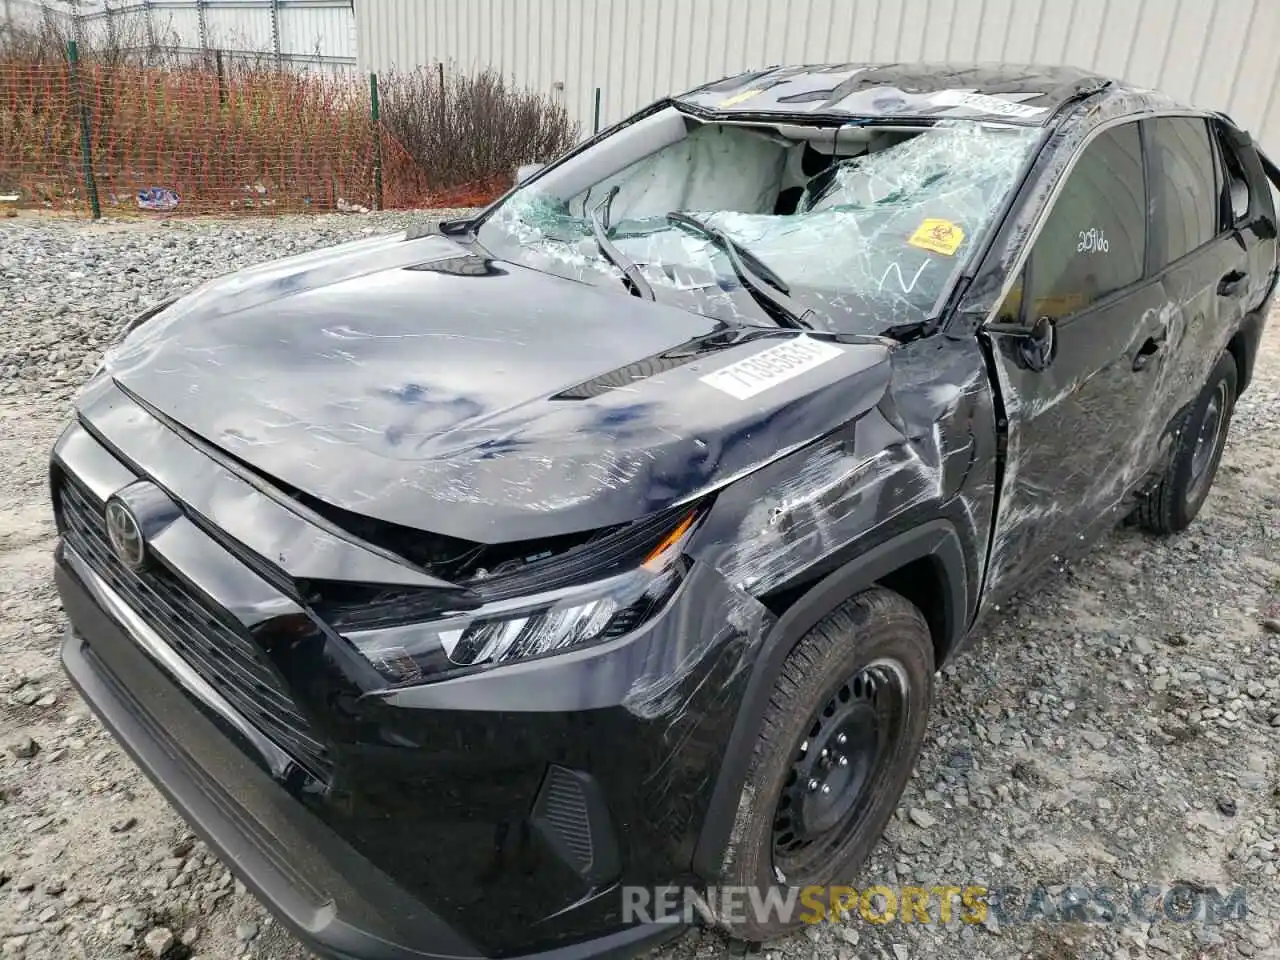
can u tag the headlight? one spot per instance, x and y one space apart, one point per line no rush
533 626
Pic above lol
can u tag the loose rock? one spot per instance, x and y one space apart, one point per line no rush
24 748
922 818
159 941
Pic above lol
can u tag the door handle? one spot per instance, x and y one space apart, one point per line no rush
1149 348
1231 283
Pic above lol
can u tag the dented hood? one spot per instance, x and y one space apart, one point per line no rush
411 382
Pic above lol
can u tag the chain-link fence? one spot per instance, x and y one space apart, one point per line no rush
213 138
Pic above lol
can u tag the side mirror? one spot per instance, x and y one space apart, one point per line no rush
527 170
1040 346
1239 199
1034 346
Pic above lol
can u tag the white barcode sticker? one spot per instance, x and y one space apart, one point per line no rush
985 104
770 367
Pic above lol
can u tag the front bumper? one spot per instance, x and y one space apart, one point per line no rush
492 814
325 891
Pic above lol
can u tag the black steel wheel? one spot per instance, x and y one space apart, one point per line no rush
837 742
1177 499
845 752
1210 438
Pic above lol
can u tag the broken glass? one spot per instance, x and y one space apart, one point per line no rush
871 242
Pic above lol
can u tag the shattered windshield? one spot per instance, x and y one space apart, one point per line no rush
864 224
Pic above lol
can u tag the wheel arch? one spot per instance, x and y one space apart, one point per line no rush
1243 346
926 565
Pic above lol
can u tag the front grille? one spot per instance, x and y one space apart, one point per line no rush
223 654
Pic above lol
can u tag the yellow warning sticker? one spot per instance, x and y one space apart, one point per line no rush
940 236
738 98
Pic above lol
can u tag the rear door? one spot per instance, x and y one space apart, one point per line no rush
1202 265
1075 425
1248 209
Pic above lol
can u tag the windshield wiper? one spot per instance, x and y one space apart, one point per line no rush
770 290
640 286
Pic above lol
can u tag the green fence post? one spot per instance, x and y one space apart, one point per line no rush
221 74
86 141
595 124
377 141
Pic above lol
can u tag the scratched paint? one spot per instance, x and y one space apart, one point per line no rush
912 454
1085 494
409 425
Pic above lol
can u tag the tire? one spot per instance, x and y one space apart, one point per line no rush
877 641
1177 499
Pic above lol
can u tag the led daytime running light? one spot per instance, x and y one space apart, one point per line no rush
532 626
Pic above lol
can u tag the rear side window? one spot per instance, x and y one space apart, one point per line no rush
1093 242
1184 190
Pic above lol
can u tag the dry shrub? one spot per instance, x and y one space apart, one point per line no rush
473 129
240 139
243 138
235 134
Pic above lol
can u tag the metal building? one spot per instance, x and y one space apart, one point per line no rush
1219 54
305 34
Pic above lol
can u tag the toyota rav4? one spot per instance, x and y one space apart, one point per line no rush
451 581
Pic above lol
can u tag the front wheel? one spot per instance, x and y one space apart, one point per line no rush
1175 503
836 748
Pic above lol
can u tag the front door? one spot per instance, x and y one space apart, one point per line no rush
1079 423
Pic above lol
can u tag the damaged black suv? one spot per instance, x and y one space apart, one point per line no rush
452 581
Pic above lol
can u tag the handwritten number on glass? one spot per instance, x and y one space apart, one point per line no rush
1092 241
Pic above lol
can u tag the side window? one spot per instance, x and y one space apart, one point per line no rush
1093 242
1184 191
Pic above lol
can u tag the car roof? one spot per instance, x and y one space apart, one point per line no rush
1023 94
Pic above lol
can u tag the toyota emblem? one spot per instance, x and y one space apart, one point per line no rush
125 535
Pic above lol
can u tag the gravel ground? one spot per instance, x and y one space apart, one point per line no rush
1116 728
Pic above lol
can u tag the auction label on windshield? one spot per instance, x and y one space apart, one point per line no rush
983 103
770 367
